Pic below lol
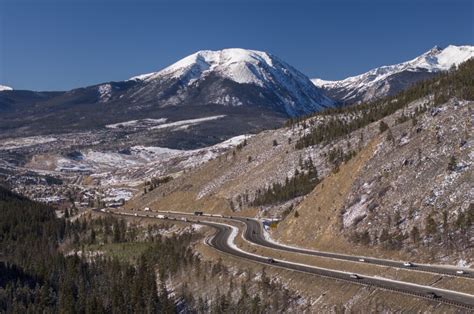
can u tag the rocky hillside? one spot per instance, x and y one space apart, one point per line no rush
392 176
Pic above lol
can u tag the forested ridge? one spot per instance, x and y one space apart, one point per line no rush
339 122
36 277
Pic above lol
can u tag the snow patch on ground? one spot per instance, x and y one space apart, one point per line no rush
117 194
186 123
355 212
25 142
142 123
105 92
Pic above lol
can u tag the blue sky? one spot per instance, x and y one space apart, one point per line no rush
62 44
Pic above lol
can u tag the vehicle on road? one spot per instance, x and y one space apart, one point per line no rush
198 213
408 264
460 272
354 276
270 260
136 215
147 209
362 260
161 216
432 295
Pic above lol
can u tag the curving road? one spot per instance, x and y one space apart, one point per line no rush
254 234
223 236
223 240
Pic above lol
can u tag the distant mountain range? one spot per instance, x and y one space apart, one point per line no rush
252 90
390 79
248 90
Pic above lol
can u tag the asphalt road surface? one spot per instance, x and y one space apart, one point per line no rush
222 242
254 234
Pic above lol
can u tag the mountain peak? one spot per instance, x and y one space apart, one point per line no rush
237 63
435 49
4 88
375 83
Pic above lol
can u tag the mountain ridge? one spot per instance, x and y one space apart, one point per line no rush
390 79
253 90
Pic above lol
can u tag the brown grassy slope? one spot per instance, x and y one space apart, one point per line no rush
318 223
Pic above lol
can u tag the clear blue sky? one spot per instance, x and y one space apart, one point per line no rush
62 44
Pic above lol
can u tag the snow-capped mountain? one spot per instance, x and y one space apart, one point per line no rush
233 77
388 80
3 88
248 90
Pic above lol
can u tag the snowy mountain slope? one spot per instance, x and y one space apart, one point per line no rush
278 84
3 87
249 90
387 80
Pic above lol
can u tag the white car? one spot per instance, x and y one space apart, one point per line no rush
460 272
361 260
354 276
407 264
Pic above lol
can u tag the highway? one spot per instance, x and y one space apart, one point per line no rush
223 240
220 241
254 234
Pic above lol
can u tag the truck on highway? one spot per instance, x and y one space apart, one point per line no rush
161 216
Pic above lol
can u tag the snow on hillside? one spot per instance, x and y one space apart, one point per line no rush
295 91
3 87
239 65
434 60
105 92
16 143
143 162
184 124
137 124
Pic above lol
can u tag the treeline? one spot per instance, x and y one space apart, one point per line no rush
36 277
300 184
156 182
338 122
